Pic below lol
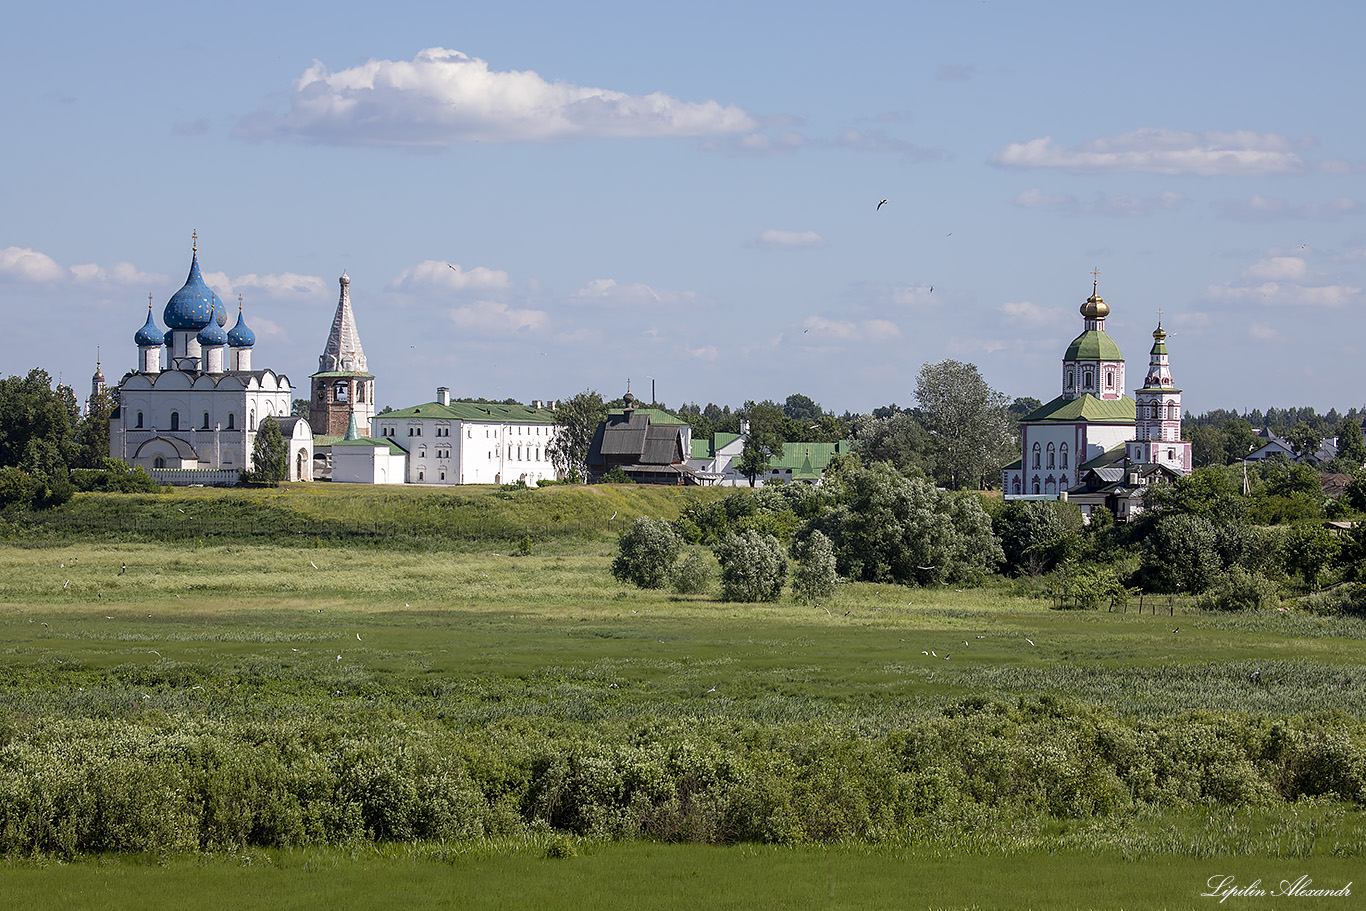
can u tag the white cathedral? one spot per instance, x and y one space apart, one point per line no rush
1094 444
190 412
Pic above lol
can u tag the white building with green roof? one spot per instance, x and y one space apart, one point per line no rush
1092 415
471 442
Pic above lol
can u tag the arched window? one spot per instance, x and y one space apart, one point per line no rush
232 420
340 391
1086 380
1050 486
159 462
1052 462
251 421
1109 379
1036 485
360 392
1171 411
139 426
1171 455
206 420
175 420
1071 380
1064 456
1037 457
1015 487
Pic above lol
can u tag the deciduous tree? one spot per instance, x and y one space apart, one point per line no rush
576 420
972 429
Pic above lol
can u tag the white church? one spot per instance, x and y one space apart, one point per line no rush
190 412
1094 444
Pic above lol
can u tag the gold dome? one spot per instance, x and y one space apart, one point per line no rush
1095 308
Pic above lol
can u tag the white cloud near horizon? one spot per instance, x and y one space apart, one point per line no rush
32 266
434 273
1259 209
606 292
819 329
443 97
1284 281
496 318
1151 150
774 239
1122 206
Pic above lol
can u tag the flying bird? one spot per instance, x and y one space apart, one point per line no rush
1030 641
880 205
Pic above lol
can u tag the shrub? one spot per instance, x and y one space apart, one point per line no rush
753 567
815 576
616 476
1241 589
646 554
692 577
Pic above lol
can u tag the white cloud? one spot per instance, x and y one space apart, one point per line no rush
280 285
819 329
30 265
434 273
605 292
1128 206
496 318
774 239
117 274
1031 314
1279 268
1158 151
756 145
442 97
1261 331
1258 208
705 353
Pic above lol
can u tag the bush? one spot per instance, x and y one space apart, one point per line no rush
815 577
616 476
753 567
1241 589
693 577
646 554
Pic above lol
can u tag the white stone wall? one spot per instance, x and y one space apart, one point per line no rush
444 451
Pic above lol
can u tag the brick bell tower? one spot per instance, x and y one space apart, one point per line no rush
342 388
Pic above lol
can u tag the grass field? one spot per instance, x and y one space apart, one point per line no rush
136 646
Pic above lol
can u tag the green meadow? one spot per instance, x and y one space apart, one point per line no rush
477 715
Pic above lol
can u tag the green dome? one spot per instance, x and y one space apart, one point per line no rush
1093 345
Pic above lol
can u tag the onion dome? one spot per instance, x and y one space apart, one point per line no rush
149 334
1095 308
194 305
241 335
212 336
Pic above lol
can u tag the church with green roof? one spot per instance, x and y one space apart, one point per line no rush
1093 419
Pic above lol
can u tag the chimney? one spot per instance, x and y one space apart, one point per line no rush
443 395
535 403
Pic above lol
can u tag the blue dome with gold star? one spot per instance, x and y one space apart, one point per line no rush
241 335
149 334
212 336
195 305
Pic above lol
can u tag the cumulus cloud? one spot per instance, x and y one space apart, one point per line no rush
442 97
433 273
273 286
1123 206
117 274
705 353
1258 209
872 330
1031 314
605 292
496 318
1261 331
1279 268
774 239
1158 151
30 265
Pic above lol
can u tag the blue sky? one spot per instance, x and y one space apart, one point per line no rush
688 192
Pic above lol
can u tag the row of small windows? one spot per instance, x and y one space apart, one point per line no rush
1155 411
175 421
415 430
1050 486
1052 457
1088 380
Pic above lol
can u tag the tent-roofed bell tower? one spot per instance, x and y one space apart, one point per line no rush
342 389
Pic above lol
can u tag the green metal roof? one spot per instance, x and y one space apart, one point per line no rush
1087 408
486 412
359 374
1108 457
656 416
1093 345
812 458
394 448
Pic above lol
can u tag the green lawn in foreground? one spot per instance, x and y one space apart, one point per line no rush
190 631
648 877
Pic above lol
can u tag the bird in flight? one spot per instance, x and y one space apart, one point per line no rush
880 205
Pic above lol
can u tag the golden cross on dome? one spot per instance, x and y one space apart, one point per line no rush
194 241
149 301
239 303
1095 281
